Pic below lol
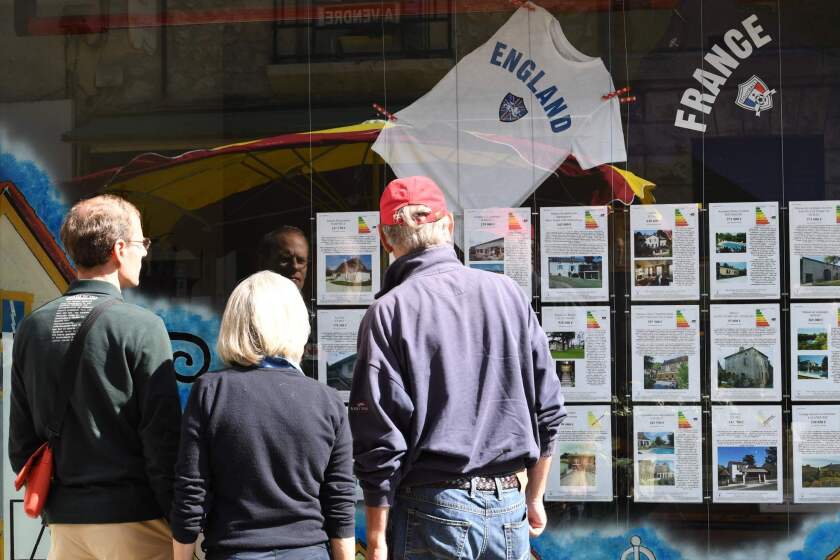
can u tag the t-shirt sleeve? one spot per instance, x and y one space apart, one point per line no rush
601 139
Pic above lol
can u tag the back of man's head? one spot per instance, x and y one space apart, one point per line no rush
92 226
413 215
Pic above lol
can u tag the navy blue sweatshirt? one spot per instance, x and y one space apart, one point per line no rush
266 456
453 376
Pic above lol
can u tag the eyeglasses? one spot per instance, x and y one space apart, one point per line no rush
145 242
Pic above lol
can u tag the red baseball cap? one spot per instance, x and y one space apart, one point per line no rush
411 190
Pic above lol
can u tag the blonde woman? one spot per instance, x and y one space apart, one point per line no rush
265 463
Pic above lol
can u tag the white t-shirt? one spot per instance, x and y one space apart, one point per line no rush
506 116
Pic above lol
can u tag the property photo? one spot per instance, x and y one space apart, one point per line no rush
730 270
819 271
731 242
575 272
656 272
821 472
498 268
812 339
747 468
340 370
656 472
652 243
486 246
565 372
748 368
812 366
666 372
567 345
655 443
577 465
348 273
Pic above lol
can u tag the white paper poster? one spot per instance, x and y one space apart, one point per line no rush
816 454
665 248
579 340
668 454
337 331
814 249
348 257
582 466
575 254
747 455
744 250
499 240
815 351
746 352
665 352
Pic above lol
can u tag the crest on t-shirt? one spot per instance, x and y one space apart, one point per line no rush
512 108
754 95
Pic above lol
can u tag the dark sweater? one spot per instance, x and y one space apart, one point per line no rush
115 460
453 376
266 457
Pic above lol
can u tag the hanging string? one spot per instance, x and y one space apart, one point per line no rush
523 4
618 93
381 110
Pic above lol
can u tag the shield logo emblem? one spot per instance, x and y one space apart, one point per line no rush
754 95
512 108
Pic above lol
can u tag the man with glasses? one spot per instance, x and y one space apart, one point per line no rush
115 453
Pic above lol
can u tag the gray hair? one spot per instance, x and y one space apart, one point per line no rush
265 317
409 235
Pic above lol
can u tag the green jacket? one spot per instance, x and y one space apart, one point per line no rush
114 462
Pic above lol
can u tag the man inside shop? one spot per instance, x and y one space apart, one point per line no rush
454 397
286 252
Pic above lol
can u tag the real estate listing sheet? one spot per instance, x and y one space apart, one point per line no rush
815 351
348 257
499 240
664 252
574 254
747 455
816 453
665 346
814 249
580 344
582 468
746 352
668 454
337 331
744 250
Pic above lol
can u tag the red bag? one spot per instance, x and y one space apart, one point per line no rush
36 474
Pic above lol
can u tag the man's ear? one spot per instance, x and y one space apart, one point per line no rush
384 241
118 252
451 226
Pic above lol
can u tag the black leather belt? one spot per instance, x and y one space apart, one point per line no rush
482 483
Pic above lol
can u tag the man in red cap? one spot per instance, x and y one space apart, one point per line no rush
454 397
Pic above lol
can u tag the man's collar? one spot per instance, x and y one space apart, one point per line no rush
432 259
95 287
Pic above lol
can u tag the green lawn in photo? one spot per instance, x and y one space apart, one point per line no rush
573 353
565 283
818 341
346 283
826 283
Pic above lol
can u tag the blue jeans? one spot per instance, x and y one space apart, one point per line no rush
314 552
441 523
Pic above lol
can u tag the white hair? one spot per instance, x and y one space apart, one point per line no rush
409 235
265 317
